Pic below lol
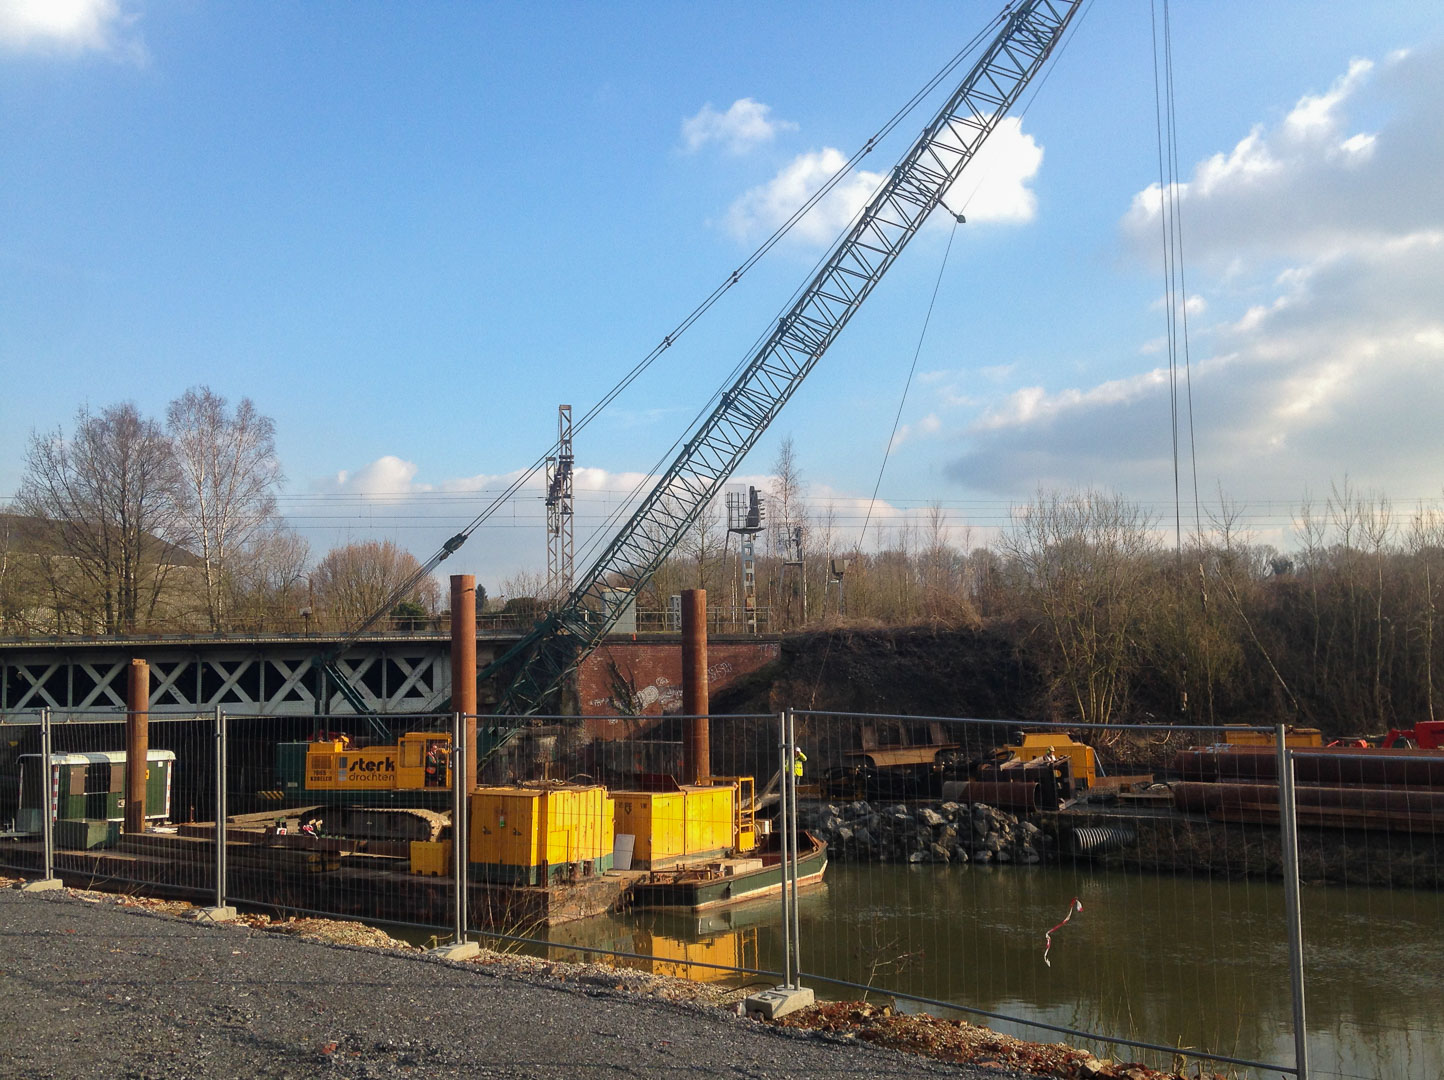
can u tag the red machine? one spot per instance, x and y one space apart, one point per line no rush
1425 735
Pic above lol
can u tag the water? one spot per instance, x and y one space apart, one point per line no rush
1183 962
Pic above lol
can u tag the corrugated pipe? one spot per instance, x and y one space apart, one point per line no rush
1100 839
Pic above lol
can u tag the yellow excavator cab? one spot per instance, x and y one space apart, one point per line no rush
1036 744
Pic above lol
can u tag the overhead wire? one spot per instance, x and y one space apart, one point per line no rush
732 279
601 536
525 476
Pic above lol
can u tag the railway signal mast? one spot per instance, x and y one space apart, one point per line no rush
559 500
747 516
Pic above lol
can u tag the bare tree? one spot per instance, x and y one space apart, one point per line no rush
228 464
788 530
109 494
1426 543
703 546
1080 555
352 582
268 578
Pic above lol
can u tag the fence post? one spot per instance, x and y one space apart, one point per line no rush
784 754
459 854
219 912
460 948
47 795
792 840
1289 841
221 801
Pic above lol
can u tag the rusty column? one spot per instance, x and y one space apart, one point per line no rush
698 740
463 660
137 744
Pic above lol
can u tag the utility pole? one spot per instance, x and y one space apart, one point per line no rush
559 511
745 517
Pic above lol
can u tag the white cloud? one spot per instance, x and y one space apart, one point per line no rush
72 26
764 208
1321 248
928 425
993 188
388 478
745 124
1317 115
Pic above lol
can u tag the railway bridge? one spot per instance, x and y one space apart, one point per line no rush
274 675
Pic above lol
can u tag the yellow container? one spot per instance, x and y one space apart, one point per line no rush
710 819
521 834
673 825
1293 736
431 857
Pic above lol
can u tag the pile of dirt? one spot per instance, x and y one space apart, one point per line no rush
967 1044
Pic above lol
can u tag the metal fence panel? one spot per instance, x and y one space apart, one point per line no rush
1067 895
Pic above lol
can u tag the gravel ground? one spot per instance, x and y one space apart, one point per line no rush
92 989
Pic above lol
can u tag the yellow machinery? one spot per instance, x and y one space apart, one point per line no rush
1293 736
691 820
421 760
1037 744
534 834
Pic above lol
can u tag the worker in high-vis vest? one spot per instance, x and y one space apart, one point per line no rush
798 757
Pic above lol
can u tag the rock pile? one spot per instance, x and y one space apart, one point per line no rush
943 833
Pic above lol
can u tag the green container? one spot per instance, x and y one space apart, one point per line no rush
84 834
90 785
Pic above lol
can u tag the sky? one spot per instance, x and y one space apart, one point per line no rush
408 232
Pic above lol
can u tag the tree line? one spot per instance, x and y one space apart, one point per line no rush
1124 621
129 523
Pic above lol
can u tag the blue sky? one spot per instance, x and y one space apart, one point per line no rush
409 231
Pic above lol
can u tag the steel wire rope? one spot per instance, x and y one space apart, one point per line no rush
624 508
591 545
958 217
756 256
1033 92
1176 308
459 538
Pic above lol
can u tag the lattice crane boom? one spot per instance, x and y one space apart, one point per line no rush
915 187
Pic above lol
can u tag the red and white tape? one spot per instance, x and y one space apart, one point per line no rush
1076 905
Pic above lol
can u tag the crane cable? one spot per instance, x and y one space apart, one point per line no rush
617 515
524 477
958 218
1175 282
1176 315
603 531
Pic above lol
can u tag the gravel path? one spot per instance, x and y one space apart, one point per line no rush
93 990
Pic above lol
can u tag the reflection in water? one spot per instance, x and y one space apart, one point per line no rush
1193 963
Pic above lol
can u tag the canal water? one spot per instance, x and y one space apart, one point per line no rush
1174 960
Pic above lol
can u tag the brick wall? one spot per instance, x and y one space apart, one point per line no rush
653 671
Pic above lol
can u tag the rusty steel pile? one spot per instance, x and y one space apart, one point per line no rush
1339 786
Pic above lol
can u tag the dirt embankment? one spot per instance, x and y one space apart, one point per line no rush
910 671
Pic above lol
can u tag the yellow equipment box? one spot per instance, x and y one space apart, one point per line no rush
531 835
693 821
1036 744
431 857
